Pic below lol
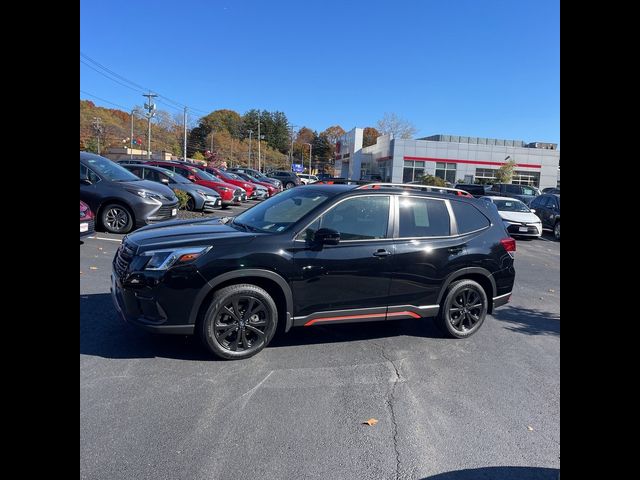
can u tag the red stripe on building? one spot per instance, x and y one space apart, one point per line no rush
472 162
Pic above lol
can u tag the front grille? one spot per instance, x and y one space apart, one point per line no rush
165 210
123 258
515 229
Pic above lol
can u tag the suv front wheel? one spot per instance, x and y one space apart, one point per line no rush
464 309
289 185
240 322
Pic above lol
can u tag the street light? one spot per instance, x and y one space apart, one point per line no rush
310 148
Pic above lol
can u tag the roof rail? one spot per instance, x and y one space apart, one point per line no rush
418 187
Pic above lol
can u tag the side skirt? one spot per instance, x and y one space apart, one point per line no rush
396 312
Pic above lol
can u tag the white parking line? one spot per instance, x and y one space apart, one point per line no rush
108 239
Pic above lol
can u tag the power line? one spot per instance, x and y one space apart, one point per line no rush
102 99
137 86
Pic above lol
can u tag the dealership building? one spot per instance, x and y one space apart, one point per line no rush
451 157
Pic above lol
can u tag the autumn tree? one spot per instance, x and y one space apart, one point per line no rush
369 136
505 173
333 133
398 127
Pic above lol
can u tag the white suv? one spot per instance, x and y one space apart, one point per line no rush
306 178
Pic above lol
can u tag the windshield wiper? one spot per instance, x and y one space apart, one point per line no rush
225 219
246 227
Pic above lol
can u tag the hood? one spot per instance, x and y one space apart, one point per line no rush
182 233
153 187
524 217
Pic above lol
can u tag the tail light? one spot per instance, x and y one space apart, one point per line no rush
509 245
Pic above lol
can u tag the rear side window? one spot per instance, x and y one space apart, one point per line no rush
468 217
513 189
528 191
423 217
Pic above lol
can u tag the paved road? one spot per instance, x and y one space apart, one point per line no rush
160 407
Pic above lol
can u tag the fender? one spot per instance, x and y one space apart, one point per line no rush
464 271
249 272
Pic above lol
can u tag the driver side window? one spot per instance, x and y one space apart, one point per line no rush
358 218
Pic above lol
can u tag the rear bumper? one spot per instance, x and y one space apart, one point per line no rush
501 300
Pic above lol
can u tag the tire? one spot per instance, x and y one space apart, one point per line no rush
556 231
460 295
289 185
191 204
116 218
222 332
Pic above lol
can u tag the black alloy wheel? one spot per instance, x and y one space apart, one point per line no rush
464 309
240 322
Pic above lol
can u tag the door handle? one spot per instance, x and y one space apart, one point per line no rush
381 253
456 249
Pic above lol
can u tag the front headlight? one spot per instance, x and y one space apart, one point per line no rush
164 259
202 194
145 194
246 185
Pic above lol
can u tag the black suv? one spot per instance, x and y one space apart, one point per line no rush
474 189
547 207
317 255
524 193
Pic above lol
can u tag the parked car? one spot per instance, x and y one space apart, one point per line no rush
551 190
258 175
121 201
474 189
271 188
325 176
372 178
306 178
200 198
288 179
232 178
547 208
87 220
521 192
317 255
519 220
230 194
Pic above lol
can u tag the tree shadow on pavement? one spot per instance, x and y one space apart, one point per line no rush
499 473
529 321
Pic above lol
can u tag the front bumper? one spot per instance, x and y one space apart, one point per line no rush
212 203
153 309
524 229
148 213
87 227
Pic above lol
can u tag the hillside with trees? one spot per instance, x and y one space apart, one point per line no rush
221 136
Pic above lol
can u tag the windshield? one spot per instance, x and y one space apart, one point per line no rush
511 206
280 212
110 170
176 177
233 175
208 176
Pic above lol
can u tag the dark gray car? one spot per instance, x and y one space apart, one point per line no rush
288 179
200 198
258 175
120 200
524 193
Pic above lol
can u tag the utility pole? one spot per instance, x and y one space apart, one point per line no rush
133 112
184 147
310 148
250 133
97 127
151 112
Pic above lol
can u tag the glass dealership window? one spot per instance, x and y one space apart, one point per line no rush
447 171
485 175
526 178
413 171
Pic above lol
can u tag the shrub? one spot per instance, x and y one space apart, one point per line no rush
183 198
431 180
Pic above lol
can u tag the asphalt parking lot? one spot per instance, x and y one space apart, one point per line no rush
161 407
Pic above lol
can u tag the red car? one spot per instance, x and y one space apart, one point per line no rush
87 220
270 188
229 193
227 177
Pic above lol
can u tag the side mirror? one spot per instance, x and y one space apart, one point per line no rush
327 236
192 178
85 181
165 181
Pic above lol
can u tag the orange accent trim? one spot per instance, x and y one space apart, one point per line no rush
368 315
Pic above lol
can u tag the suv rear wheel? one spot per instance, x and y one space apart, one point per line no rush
464 309
556 230
240 321
289 185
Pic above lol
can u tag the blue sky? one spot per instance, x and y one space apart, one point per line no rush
464 67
